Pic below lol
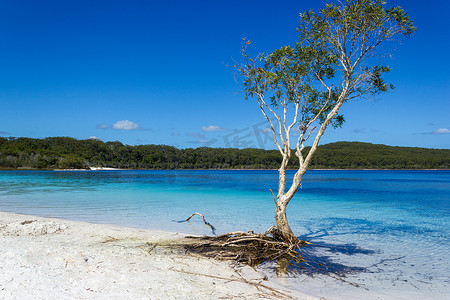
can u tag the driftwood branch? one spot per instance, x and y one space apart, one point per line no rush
258 285
213 229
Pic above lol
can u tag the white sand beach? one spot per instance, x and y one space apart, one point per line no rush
44 258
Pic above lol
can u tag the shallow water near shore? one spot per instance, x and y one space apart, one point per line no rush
375 234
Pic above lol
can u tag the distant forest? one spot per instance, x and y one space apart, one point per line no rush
70 153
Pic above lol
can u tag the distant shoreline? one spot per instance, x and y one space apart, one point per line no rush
117 169
72 154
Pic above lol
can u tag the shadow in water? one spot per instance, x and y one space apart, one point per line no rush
316 261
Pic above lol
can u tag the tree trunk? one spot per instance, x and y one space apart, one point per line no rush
283 227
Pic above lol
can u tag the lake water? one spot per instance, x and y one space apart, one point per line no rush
387 232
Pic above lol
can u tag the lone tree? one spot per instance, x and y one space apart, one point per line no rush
301 88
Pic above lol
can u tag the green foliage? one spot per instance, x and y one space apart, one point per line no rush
356 155
351 33
332 62
69 153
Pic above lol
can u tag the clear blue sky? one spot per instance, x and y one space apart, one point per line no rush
154 72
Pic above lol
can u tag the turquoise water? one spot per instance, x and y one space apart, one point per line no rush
391 227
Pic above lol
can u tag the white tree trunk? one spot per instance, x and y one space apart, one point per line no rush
282 222
284 197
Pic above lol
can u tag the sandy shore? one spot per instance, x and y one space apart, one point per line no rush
43 258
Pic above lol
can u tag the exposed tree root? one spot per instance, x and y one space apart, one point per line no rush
247 247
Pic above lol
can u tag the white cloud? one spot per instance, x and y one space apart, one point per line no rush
264 131
441 131
212 128
437 131
95 138
125 125
102 126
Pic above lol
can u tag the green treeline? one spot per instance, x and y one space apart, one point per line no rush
70 153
